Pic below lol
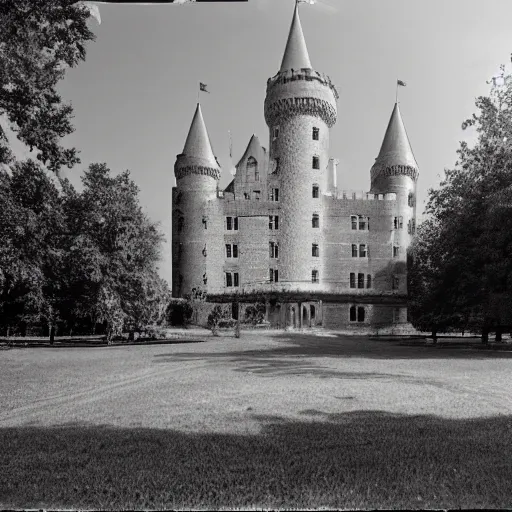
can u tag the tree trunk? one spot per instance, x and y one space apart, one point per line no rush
237 326
485 335
8 331
498 337
52 334
434 336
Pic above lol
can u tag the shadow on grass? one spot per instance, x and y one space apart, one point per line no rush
350 460
78 343
339 347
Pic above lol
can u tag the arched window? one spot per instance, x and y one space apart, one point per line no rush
252 165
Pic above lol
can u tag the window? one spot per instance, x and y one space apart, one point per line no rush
316 162
315 252
354 250
316 191
396 251
232 223
231 251
360 222
274 194
256 175
357 313
410 199
273 249
274 275
352 280
275 132
252 164
314 276
395 282
363 251
316 132
232 279
398 222
315 221
360 280
247 195
257 195
368 281
273 222
205 221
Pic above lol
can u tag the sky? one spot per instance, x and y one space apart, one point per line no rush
135 95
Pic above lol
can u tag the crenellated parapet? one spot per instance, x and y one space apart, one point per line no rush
394 170
181 172
307 92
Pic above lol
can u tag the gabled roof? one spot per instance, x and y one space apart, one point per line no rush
296 53
198 143
230 187
396 148
253 148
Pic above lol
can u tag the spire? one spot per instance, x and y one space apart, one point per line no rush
296 53
198 143
396 148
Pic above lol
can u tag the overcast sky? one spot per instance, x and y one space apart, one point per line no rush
135 95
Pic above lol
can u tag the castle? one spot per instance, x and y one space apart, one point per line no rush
282 232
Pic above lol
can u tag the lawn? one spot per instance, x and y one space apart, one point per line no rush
273 421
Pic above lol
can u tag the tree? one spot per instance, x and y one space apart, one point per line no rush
462 258
31 227
38 41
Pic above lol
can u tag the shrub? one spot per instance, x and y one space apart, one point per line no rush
217 315
179 312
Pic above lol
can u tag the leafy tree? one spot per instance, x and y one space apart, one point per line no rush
461 276
31 227
215 318
38 40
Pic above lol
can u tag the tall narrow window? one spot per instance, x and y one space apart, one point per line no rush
316 132
275 132
276 275
228 250
252 165
274 194
362 251
363 223
410 199
315 221
396 251
229 279
315 252
360 280
235 276
398 222
235 251
314 276
368 281
316 191
353 313
354 250
273 222
353 220
360 314
352 280
316 162
274 250
235 223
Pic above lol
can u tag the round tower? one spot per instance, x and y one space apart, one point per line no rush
396 171
197 175
300 108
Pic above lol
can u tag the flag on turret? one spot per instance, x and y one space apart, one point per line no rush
401 82
202 87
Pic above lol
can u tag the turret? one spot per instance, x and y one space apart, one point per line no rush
396 171
197 175
300 108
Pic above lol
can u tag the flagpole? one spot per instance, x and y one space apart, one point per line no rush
198 92
396 95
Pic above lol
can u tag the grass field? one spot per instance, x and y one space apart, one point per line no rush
265 421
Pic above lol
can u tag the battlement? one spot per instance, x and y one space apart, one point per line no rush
284 77
361 195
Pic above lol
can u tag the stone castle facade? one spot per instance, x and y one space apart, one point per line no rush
282 232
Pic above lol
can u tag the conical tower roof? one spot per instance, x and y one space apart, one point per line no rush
396 148
198 143
296 53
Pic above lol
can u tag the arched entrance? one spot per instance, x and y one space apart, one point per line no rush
305 320
313 314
